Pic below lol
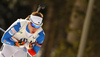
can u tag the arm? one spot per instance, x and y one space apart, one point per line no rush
7 36
36 48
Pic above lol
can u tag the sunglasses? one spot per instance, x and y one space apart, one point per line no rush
33 25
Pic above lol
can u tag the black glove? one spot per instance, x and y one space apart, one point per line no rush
30 45
34 43
21 42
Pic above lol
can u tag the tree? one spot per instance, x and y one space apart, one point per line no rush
76 21
47 45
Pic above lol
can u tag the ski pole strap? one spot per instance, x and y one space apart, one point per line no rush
14 38
38 45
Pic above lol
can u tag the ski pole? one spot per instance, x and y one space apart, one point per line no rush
2 30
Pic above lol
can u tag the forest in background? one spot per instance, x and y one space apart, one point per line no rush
63 23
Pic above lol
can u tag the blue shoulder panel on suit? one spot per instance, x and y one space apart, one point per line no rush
7 36
40 40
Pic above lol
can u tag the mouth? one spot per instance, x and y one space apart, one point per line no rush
33 32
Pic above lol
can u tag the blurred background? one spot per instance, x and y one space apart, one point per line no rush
63 24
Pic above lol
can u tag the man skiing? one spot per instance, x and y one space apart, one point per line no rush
23 36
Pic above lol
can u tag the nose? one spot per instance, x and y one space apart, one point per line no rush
34 29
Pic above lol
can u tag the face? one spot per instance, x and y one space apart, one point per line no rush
32 29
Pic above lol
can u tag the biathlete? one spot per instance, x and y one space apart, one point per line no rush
23 36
